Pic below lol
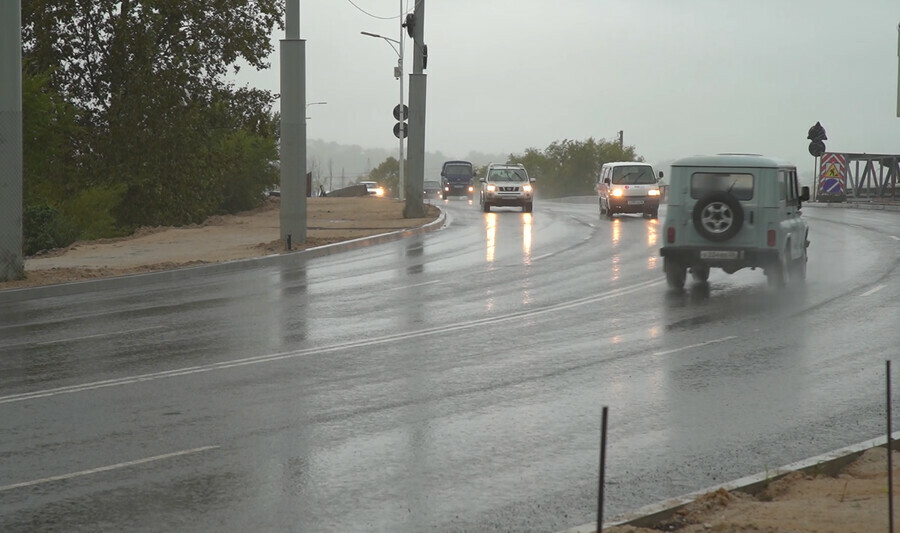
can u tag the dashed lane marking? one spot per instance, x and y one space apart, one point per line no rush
108 468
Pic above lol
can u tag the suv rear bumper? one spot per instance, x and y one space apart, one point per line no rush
744 257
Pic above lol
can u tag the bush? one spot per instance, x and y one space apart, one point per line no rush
39 223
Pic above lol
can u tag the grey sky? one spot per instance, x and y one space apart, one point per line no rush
679 77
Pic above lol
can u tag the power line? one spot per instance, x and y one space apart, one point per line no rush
370 14
385 18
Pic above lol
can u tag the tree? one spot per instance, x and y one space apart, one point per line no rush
147 79
570 167
387 174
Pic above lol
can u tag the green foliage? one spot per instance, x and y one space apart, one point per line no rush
129 113
40 228
387 174
89 214
570 168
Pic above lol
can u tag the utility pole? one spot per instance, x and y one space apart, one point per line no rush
12 262
898 71
415 25
293 129
621 139
402 133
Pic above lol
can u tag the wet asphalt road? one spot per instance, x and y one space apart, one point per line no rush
447 382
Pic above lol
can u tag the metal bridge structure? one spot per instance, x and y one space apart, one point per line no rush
858 177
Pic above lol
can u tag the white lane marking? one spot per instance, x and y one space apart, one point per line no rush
98 335
896 238
327 349
116 466
545 256
698 345
873 290
416 285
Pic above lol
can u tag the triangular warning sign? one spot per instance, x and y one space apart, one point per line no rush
832 172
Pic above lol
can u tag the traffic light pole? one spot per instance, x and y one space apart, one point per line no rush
401 180
12 263
417 84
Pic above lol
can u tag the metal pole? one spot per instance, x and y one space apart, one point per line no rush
889 452
12 263
415 207
293 128
898 70
602 471
400 65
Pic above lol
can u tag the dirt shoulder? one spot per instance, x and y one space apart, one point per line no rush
853 501
222 238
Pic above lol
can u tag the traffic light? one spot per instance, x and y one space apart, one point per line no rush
410 24
424 56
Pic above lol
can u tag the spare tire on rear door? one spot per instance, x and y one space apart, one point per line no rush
718 216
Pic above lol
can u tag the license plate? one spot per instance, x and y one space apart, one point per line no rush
635 202
718 254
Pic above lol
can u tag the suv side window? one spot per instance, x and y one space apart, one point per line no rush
783 187
793 189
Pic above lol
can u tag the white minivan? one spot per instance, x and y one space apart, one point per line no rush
733 211
628 187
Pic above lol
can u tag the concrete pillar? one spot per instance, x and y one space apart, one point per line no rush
12 264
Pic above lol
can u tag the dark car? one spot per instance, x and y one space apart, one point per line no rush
456 179
431 189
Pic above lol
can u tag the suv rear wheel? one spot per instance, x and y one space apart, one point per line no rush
718 216
676 273
700 273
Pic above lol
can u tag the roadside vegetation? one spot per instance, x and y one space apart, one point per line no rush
128 119
565 168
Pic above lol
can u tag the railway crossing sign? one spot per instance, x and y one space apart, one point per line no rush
832 174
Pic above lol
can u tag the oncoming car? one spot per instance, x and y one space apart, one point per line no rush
733 211
506 185
431 189
373 188
628 187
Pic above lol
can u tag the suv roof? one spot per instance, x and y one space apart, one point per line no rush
731 160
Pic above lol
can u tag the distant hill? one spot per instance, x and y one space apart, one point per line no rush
344 163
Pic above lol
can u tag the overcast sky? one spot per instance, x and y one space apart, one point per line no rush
678 77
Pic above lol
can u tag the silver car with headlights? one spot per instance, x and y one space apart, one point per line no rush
506 185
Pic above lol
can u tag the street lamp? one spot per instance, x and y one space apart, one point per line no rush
398 74
314 103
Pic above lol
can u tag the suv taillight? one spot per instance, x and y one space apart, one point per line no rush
670 235
770 238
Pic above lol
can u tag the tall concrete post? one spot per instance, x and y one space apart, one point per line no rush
293 129
12 263
417 83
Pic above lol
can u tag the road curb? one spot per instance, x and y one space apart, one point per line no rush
828 464
283 259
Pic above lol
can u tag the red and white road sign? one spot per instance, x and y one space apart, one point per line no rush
832 173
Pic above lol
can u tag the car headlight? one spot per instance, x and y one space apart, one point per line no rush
446 187
471 189
492 187
617 192
653 192
379 191
526 188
